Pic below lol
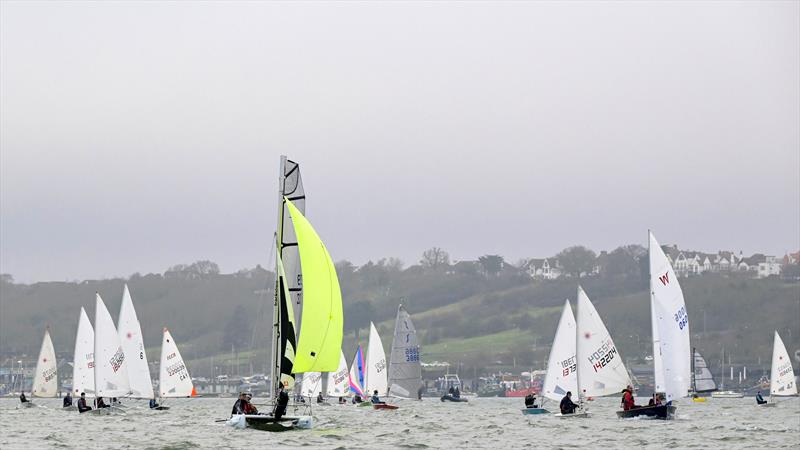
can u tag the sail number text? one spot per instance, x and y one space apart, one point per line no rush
682 318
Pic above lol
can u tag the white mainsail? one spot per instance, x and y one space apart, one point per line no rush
405 370
110 368
337 381
781 381
703 380
130 336
45 382
601 370
173 376
83 360
376 364
672 353
561 366
312 384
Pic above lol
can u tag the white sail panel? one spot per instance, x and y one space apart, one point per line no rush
130 336
292 189
671 327
173 376
601 370
703 380
781 381
376 379
312 384
562 367
45 382
83 359
405 370
337 381
110 367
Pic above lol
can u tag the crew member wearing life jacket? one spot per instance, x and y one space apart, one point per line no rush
759 399
82 406
530 401
375 399
280 405
627 399
567 406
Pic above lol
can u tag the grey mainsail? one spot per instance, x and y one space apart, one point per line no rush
703 381
405 370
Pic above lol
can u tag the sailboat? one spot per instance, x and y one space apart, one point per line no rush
110 364
782 382
562 367
173 376
702 380
311 385
83 359
337 386
376 379
600 370
671 348
45 380
306 276
356 375
722 393
130 336
405 370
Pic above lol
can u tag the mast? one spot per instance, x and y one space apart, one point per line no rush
694 381
577 342
652 312
275 370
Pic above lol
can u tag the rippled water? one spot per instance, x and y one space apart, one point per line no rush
481 423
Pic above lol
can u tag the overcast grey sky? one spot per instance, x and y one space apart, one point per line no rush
135 136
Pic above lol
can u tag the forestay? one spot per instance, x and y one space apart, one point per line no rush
83 359
45 382
782 381
130 336
322 322
601 370
703 380
337 381
356 377
670 327
110 368
376 364
405 370
173 378
561 365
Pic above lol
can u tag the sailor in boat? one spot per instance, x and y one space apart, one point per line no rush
628 402
82 406
655 400
99 403
153 404
451 391
759 399
67 400
22 398
567 406
357 399
457 393
320 398
530 401
375 399
249 408
342 400
281 403
238 407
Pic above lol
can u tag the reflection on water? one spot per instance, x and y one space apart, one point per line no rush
481 423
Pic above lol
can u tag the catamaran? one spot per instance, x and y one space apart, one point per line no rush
562 366
173 376
130 336
83 359
781 379
376 380
405 370
670 324
600 370
306 276
45 380
702 380
111 365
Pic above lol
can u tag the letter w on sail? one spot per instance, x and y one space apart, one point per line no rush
664 278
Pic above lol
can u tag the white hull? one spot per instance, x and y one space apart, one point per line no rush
726 394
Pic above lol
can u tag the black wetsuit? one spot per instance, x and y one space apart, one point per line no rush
67 401
280 406
82 407
153 404
567 407
759 399
101 403
457 393
530 401
22 398
238 407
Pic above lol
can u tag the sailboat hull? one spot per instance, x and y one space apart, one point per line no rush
768 405
663 412
534 411
450 398
269 423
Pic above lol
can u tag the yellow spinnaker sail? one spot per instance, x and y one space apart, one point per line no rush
320 341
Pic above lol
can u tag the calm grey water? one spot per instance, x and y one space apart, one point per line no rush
481 423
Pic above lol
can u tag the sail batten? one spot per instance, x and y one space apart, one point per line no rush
45 381
405 370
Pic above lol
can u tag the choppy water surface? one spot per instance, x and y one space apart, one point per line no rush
481 423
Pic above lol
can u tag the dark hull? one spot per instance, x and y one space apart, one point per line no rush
384 406
268 423
656 412
450 398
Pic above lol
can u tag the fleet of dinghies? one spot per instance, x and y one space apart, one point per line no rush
307 330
